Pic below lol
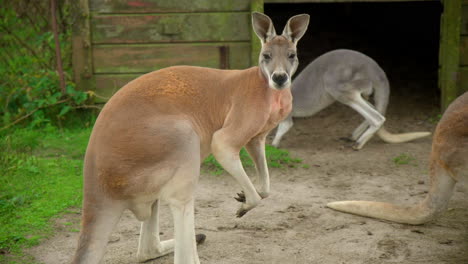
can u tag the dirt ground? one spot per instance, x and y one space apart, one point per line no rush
293 225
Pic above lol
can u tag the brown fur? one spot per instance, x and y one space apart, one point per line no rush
448 165
450 144
150 138
177 92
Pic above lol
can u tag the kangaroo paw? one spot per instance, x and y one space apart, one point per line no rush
240 197
345 139
200 238
241 212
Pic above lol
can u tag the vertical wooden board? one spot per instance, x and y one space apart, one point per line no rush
464 51
256 46
450 51
239 57
167 6
464 26
81 47
463 80
194 27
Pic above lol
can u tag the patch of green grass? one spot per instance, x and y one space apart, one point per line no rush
404 159
41 176
276 158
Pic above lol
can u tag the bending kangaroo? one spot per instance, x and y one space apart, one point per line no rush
150 138
448 165
344 76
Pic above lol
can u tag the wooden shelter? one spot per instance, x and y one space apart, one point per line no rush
117 40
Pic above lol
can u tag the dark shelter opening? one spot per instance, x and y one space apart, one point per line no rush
402 37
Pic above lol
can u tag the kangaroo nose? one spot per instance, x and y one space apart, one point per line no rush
279 78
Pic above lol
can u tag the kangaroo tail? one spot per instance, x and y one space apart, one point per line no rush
381 96
409 215
399 138
435 203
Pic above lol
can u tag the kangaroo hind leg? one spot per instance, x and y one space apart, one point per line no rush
179 194
150 246
373 119
359 130
97 224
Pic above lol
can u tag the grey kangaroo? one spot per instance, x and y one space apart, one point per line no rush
345 76
448 165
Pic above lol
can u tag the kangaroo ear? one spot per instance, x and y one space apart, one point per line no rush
263 26
296 27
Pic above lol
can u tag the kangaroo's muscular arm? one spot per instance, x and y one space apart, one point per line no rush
227 142
256 148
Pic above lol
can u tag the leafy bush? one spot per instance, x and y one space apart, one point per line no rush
29 88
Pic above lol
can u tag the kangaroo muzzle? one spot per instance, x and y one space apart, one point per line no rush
280 80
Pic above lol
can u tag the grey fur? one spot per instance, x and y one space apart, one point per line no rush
345 76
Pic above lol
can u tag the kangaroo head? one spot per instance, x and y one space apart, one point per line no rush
278 57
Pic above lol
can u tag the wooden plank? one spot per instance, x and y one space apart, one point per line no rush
463 80
342 1
450 51
196 27
464 25
145 58
108 84
256 6
81 47
464 50
167 6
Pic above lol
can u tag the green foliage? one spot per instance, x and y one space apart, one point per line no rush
404 159
276 158
29 88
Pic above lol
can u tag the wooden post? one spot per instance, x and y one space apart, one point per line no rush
58 54
255 5
450 51
81 46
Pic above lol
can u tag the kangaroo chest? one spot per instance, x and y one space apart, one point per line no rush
280 107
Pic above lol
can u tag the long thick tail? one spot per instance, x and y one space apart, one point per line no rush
399 138
409 215
435 203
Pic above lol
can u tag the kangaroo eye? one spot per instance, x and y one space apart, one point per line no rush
292 56
266 56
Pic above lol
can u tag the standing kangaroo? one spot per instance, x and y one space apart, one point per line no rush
344 76
151 136
448 165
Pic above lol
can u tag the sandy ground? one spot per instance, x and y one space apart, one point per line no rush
293 225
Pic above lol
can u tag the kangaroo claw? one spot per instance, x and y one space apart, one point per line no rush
200 238
241 212
240 197
345 139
